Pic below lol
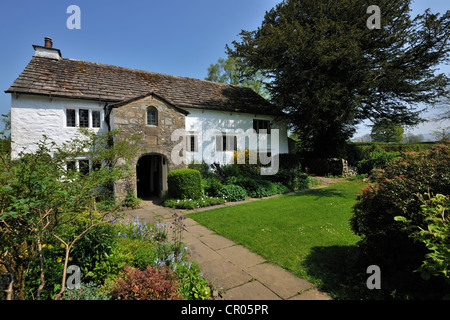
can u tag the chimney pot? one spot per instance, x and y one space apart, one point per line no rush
48 42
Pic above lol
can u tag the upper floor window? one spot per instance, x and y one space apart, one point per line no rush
95 119
85 118
191 143
152 116
70 118
259 125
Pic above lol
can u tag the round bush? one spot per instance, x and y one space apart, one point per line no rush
392 194
234 193
184 184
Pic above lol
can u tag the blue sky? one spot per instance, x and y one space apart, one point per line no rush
179 37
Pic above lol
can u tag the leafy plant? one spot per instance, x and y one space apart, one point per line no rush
150 284
131 201
87 291
234 193
377 159
204 201
392 194
212 186
434 234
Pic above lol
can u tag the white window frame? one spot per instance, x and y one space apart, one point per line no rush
90 117
77 163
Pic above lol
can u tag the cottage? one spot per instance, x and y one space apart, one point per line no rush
54 96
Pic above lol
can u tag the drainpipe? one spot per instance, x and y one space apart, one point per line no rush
107 112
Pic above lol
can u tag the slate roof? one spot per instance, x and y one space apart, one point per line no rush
72 78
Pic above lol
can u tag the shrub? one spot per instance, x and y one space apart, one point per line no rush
95 247
193 203
131 201
212 186
377 159
265 188
281 188
203 168
146 255
249 184
87 291
256 188
241 160
234 193
184 184
293 179
230 171
391 195
435 236
192 284
150 284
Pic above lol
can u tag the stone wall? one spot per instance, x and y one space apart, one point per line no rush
131 119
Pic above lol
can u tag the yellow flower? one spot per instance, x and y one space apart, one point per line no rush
44 245
70 258
62 245
50 246
59 260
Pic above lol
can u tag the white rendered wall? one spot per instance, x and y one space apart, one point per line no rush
34 116
199 122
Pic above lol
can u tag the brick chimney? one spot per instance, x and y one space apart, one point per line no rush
48 42
47 51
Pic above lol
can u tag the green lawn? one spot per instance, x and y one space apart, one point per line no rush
306 233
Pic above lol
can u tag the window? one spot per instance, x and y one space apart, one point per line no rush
95 119
152 116
96 165
84 118
84 166
226 143
70 118
191 143
259 125
71 165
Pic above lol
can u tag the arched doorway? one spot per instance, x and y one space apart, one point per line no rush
151 174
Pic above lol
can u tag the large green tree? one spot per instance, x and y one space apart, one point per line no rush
231 71
387 131
329 71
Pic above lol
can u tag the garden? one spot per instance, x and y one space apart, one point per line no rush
54 219
202 185
397 219
125 260
64 237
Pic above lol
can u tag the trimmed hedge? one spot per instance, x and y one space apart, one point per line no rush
184 184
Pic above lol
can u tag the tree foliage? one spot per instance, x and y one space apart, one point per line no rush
328 71
387 131
229 71
39 194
